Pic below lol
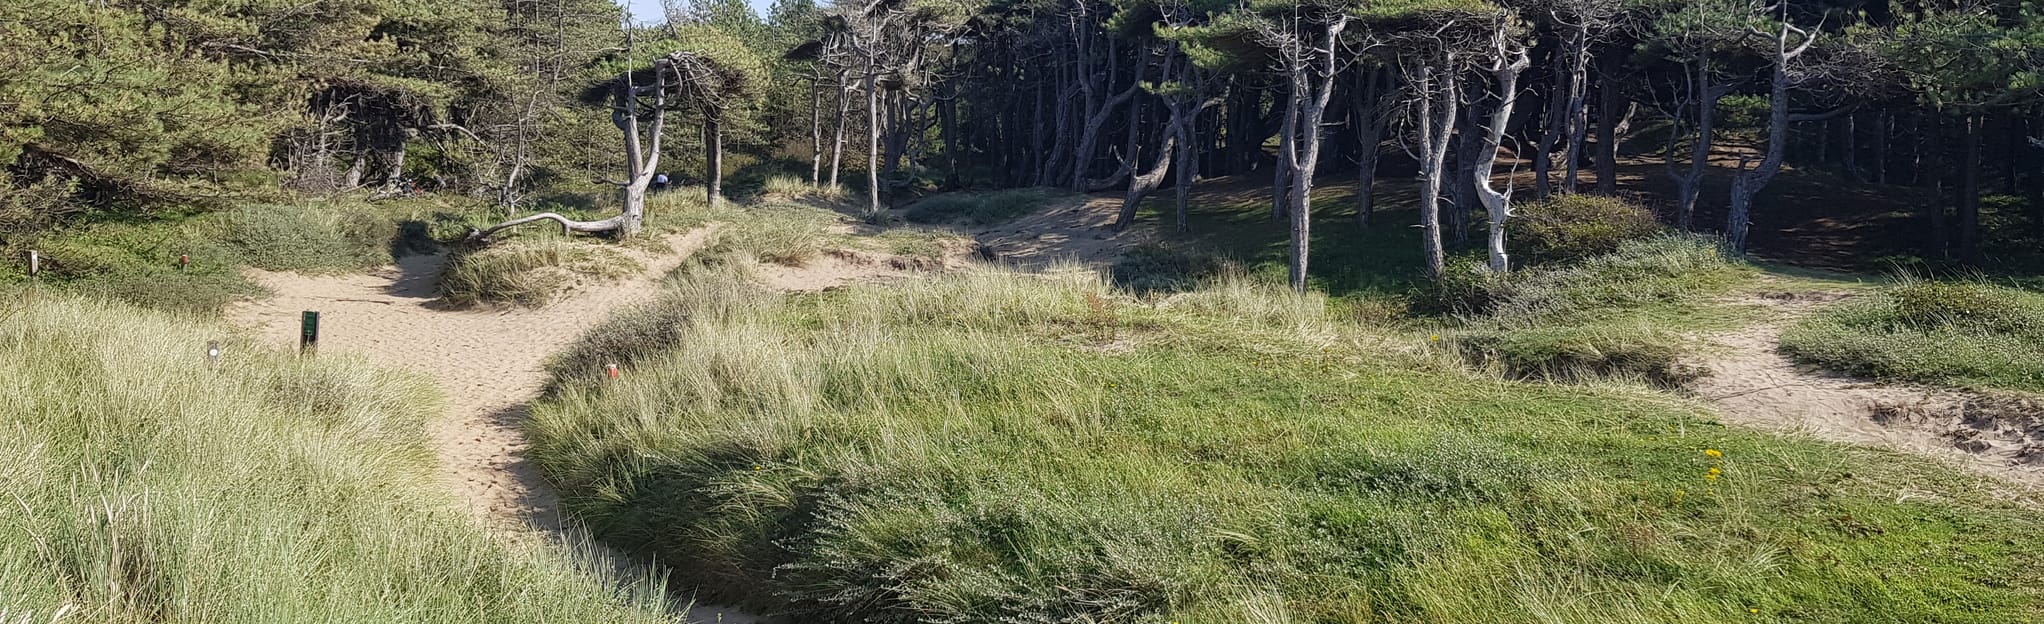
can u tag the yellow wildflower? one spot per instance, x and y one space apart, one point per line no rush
1714 452
1435 337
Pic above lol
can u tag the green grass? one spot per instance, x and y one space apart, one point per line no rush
137 260
980 208
529 270
988 446
1965 333
141 486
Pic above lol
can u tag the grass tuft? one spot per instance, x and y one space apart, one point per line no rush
142 486
531 270
1968 333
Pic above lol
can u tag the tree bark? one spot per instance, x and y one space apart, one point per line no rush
1748 183
1373 93
1607 127
1437 121
815 133
1969 191
1498 204
713 154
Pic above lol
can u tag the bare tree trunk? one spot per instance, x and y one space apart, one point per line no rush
713 155
1969 190
1144 183
837 143
815 134
1188 171
1749 182
1089 137
1437 122
1302 147
872 138
1372 95
1505 73
1607 127
1884 127
1553 127
1578 120
1690 184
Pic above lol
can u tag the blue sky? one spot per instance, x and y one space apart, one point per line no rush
650 11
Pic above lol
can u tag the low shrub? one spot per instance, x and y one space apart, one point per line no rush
306 238
1571 227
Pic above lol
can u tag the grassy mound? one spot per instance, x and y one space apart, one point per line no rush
1619 314
996 447
143 487
530 270
1966 333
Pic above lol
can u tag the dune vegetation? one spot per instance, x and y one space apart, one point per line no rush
144 484
1972 333
993 446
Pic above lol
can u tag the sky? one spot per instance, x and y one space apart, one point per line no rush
650 11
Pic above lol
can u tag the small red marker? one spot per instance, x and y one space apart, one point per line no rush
610 369
183 260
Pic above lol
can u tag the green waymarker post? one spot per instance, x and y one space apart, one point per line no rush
308 333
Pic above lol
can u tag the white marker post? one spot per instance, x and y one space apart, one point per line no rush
213 354
35 263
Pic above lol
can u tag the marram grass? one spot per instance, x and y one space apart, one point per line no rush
998 447
141 486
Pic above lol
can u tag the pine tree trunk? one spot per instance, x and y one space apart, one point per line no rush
1607 127
872 140
713 159
1969 191
815 134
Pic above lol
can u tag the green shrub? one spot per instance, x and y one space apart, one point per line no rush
1573 226
1467 286
143 487
529 271
980 208
1970 333
308 238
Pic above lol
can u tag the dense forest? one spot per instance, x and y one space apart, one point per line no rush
139 108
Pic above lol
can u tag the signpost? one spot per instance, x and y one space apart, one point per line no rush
308 333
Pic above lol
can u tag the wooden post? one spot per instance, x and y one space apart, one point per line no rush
35 263
308 333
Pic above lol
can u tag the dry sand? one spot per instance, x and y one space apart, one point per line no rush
1080 231
488 362
1753 384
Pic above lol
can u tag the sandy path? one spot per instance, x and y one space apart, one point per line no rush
1752 383
487 362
